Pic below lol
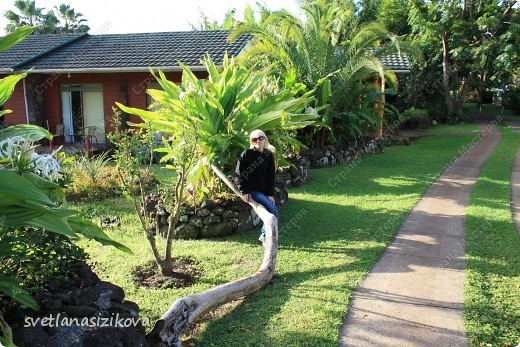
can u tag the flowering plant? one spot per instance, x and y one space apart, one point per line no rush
19 154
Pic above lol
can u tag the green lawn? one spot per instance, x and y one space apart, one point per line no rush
492 289
458 128
331 233
495 111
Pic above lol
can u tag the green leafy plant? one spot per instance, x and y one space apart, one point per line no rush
30 193
327 51
36 256
511 99
414 118
208 121
91 178
224 109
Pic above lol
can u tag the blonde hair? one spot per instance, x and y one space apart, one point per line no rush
268 146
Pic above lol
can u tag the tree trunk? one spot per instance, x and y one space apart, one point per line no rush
465 89
379 106
446 74
169 329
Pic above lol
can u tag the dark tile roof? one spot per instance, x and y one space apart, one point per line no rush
31 47
396 63
137 52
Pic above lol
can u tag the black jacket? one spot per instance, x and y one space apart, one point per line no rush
255 172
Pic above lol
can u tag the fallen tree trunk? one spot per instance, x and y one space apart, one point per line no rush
169 329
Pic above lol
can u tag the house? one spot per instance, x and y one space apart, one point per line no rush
74 80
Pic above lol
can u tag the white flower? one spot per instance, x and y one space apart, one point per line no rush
311 110
10 147
16 147
46 165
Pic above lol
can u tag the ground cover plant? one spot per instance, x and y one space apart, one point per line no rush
331 233
492 288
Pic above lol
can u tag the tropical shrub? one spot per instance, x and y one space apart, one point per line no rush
84 187
208 122
223 110
90 178
36 256
511 99
134 182
327 51
414 118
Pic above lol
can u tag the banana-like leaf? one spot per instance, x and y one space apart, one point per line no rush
39 182
27 131
188 75
145 115
7 200
52 223
17 216
11 287
13 38
91 231
7 86
3 112
13 185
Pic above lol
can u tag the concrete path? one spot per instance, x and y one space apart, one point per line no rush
515 183
414 294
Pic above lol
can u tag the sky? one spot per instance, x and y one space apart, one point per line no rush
133 16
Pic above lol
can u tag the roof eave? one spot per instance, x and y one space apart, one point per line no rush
112 69
401 70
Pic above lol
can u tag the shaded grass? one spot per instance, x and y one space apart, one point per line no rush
331 233
495 110
492 287
458 128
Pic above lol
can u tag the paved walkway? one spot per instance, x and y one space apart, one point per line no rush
515 183
414 294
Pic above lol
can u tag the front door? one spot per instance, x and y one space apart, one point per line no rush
82 107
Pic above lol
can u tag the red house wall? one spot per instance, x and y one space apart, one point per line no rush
136 84
17 104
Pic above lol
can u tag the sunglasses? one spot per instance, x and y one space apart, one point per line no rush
259 138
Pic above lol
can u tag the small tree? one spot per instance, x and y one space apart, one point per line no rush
180 151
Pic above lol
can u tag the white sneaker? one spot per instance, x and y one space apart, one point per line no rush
262 238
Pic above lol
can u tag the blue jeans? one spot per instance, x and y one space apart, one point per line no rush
264 201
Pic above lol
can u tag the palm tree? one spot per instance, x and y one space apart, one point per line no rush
70 20
326 51
28 15
66 19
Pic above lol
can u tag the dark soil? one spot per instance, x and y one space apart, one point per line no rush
185 273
